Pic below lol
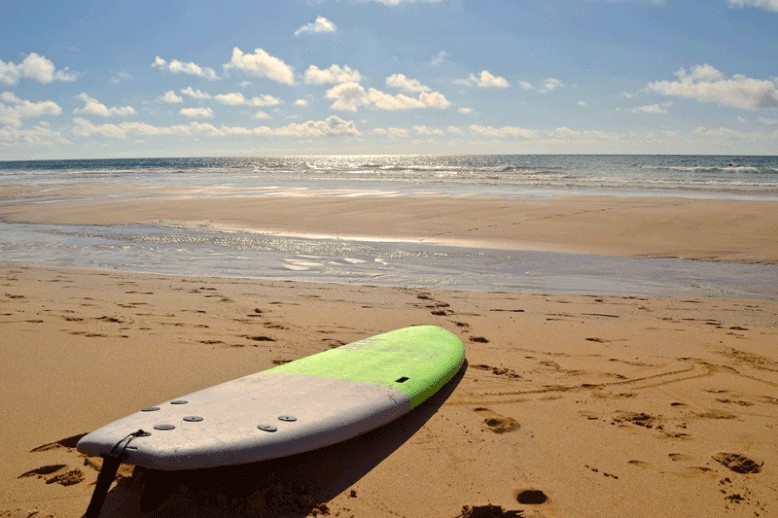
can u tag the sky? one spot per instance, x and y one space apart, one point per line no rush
111 79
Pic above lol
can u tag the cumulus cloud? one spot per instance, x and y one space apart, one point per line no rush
194 113
484 80
171 97
330 127
261 64
333 75
13 109
548 85
404 83
195 93
94 107
321 24
301 102
464 110
504 131
238 99
347 96
653 108
175 66
770 5
36 67
350 96
767 122
705 83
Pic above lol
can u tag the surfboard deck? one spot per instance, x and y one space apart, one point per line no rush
306 404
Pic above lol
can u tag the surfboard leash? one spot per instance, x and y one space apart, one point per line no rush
111 462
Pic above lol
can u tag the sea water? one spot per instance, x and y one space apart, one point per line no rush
209 251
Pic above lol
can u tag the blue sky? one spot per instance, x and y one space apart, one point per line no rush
83 79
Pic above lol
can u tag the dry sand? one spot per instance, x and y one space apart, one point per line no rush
569 405
603 406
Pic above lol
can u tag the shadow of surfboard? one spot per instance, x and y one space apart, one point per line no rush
295 486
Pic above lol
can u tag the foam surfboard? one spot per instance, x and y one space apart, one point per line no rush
306 404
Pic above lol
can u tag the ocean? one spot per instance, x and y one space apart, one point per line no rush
171 248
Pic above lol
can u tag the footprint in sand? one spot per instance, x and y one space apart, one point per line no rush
56 474
488 511
738 463
498 423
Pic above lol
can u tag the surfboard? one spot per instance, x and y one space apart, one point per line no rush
299 406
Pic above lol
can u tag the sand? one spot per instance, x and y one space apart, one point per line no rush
568 405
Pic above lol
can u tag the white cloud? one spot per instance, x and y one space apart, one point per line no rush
504 131
204 113
548 85
582 104
36 67
392 132
171 97
350 96
465 110
653 108
238 99
347 96
118 77
439 58
301 102
335 74
484 80
14 109
428 131
195 93
321 24
767 122
706 84
402 82
262 115
38 135
261 64
175 66
94 107
330 127
770 5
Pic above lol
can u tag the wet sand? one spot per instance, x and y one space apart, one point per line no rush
715 230
569 405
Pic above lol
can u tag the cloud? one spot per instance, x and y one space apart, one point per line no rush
350 96
767 122
261 64
175 66
484 80
171 97
439 58
391 132
195 93
706 84
504 131
36 67
118 77
37 136
548 85
652 108
335 74
94 107
465 110
770 5
14 109
321 24
238 99
204 113
347 96
301 102
582 104
262 115
330 127
404 83
428 131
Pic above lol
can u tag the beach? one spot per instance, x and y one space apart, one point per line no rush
569 404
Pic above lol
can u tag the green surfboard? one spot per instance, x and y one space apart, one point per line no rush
306 404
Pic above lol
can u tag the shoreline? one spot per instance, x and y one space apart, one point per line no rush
709 230
631 399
